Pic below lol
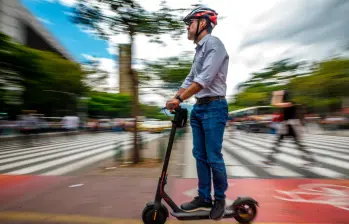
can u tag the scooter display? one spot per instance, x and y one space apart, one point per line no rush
243 210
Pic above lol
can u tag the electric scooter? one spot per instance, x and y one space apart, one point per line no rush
243 210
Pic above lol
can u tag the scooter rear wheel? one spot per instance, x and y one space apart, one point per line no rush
245 212
149 216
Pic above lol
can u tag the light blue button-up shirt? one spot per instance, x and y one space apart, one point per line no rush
210 67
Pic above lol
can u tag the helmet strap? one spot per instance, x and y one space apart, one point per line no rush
197 33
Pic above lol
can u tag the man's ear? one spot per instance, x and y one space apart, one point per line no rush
203 23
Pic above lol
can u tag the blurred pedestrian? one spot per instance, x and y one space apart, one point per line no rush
290 126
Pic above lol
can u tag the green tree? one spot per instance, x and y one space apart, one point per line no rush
324 89
258 89
171 70
27 74
10 80
131 18
321 88
109 105
249 99
276 73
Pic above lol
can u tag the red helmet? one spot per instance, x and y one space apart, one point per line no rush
202 13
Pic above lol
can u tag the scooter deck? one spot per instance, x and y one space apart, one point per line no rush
229 213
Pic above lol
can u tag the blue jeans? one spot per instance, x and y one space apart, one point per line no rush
208 124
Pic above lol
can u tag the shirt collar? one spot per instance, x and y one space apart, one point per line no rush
203 40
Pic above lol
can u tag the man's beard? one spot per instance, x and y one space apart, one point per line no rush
190 37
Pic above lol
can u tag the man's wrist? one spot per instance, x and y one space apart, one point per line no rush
178 97
179 92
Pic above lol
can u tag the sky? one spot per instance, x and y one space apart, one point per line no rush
255 34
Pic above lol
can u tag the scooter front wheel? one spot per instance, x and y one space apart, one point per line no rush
149 215
245 212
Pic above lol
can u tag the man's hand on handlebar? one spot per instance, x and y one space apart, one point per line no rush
172 104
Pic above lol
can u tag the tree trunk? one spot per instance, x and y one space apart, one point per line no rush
136 156
135 106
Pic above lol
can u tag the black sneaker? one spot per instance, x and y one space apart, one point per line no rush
217 212
196 205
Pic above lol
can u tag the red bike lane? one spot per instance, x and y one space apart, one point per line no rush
15 187
285 200
281 200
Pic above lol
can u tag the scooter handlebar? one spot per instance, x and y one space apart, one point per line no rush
175 110
180 118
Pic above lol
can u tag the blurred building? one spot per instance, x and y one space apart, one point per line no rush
17 22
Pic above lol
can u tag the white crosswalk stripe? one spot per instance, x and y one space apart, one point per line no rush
244 154
235 166
64 154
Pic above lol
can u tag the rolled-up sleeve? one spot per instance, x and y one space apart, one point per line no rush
214 58
188 80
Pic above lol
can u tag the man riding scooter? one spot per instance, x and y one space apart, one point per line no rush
207 80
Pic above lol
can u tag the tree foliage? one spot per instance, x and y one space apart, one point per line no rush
325 88
110 17
171 70
37 80
109 105
321 88
277 73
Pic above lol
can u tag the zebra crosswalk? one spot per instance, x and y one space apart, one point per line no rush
63 155
244 154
